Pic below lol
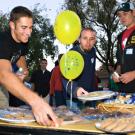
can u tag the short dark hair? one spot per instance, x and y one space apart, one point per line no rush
43 59
19 12
85 29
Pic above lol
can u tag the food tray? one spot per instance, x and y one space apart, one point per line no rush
116 107
119 125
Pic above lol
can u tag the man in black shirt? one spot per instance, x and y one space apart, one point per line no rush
41 79
13 46
126 49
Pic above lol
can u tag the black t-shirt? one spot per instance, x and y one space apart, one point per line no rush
11 50
41 81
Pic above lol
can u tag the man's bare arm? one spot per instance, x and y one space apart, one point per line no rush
14 85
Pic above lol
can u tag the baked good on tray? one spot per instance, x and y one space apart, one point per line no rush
117 125
124 104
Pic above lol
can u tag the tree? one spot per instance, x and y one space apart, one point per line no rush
3 22
99 14
42 40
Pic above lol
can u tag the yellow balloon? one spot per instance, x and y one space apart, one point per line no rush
67 27
71 64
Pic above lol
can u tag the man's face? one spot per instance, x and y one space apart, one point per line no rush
87 39
126 18
21 29
43 64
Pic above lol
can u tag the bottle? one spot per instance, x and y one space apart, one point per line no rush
28 85
19 71
116 74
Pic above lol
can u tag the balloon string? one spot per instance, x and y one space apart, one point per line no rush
67 86
70 92
66 48
71 95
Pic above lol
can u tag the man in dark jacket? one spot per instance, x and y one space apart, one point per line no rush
41 79
126 49
86 81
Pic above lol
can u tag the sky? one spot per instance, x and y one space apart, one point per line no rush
53 6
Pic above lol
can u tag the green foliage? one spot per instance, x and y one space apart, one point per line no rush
3 22
99 14
42 40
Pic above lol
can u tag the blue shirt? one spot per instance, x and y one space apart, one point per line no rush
87 78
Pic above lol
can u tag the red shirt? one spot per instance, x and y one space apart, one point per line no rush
125 36
56 80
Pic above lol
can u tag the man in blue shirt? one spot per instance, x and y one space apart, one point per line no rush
86 82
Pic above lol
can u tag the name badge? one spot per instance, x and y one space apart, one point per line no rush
129 51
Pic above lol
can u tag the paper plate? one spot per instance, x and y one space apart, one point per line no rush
97 95
16 115
71 121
